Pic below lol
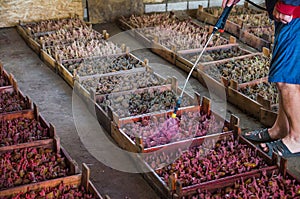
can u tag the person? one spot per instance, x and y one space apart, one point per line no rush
284 136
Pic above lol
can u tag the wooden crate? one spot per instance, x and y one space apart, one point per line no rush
106 116
267 117
70 78
222 184
30 41
14 88
41 33
163 52
122 23
60 41
233 46
223 80
55 145
30 114
254 41
133 73
73 180
232 27
127 143
186 65
174 186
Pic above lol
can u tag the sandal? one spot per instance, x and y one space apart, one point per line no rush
260 135
280 148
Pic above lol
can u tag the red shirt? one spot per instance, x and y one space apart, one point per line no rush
288 9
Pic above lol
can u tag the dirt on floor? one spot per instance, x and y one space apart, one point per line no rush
55 100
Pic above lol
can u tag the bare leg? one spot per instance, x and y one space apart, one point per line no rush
280 128
291 106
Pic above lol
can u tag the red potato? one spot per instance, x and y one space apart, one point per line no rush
266 186
209 161
30 165
162 130
10 102
53 25
21 130
3 80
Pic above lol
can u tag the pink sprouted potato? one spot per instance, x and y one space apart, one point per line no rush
10 102
264 187
29 165
163 130
209 161
21 130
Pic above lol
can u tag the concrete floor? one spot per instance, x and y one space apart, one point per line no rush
54 99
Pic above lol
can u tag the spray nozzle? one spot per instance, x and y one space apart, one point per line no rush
176 107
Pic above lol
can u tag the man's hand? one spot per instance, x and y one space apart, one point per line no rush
229 3
278 16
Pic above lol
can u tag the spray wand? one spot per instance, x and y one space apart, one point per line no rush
218 27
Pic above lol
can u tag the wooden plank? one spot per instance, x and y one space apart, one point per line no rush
233 28
186 68
103 118
125 26
243 102
267 117
205 16
163 52
65 74
49 60
123 140
253 40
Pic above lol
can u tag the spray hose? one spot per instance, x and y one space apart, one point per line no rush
218 27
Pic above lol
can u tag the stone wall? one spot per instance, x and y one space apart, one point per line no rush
11 11
101 11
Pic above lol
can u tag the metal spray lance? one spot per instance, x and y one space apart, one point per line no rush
218 27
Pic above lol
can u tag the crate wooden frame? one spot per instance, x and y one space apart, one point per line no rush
23 24
55 145
187 65
260 108
230 26
255 41
212 186
14 88
71 78
175 189
105 117
31 114
34 45
125 142
82 179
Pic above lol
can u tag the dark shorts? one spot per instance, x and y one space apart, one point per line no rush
285 63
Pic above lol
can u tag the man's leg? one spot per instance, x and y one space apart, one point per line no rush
290 94
280 128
